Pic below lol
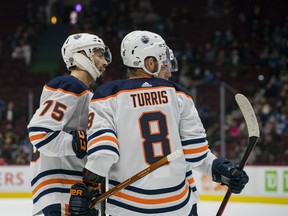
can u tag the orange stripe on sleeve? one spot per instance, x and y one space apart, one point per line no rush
37 137
103 138
196 150
191 181
152 201
54 181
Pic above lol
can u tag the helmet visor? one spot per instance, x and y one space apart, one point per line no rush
174 65
107 55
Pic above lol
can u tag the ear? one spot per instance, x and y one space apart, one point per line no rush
149 63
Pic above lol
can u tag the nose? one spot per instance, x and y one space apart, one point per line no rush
169 74
105 62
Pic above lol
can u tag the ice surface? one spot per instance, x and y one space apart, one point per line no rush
23 207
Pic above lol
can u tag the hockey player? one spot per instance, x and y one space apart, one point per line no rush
165 73
135 123
57 130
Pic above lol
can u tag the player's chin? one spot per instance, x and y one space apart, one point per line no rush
102 71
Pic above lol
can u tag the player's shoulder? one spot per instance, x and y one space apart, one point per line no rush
109 88
168 83
114 87
180 88
68 84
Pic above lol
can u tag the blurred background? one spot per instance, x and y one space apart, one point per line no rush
223 47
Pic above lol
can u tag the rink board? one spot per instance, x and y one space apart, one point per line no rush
268 184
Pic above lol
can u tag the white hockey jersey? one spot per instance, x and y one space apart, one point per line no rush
135 123
54 167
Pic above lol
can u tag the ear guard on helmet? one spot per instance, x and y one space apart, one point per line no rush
84 63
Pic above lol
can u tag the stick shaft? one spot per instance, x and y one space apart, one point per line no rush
250 147
103 204
129 181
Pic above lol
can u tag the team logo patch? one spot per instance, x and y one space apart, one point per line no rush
145 39
77 36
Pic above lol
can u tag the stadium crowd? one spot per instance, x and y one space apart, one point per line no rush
216 42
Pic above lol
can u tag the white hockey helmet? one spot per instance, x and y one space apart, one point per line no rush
138 45
87 43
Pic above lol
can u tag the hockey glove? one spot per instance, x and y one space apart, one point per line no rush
92 179
79 143
225 172
80 200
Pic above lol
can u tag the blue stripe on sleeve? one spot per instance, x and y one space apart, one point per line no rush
193 141
104 147
55 172
100 132
47 140
189 173
51 190
150 210
39 129
197 159
152 192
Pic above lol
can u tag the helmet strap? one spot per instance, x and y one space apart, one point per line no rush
86 64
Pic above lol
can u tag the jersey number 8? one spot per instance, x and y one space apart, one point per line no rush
154 133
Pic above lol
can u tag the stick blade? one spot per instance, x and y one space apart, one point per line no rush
249 115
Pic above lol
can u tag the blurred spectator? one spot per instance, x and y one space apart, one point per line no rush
23 51
2 109
212 9
214 41
10 113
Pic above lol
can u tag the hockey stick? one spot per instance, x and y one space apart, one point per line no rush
141 174
103 204
253 132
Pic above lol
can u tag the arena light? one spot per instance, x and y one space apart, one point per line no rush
78 8
53 20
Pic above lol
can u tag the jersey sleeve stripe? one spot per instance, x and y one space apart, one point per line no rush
66 92
47 140
153 201
55 172
103 138
193 141
190 180
54 181
37 136
100 132
150 210
197 159
194 189
100 148
39 129
188 173
196 150
51 190
151 192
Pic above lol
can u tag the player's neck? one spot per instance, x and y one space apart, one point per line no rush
137 74
82 76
